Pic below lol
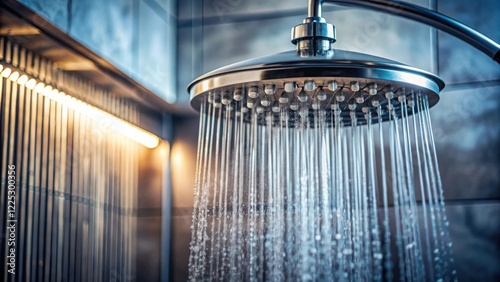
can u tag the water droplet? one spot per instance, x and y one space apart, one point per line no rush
340 97
318 237
225 98
253 92
354 86
250 103
276 107
289 87
265 102
303 112
270 89
302 96
337 236
309 85
238 94
321 95
372 89
284 97
332 85
315 105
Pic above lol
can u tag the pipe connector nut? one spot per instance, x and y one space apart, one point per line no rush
314 29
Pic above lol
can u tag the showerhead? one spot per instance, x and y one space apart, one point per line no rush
354 84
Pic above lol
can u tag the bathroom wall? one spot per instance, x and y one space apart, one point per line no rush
138 36
214 33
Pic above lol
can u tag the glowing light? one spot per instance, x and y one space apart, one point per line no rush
46 90
22 80
127 129
31 84
6 72
39 87
14 76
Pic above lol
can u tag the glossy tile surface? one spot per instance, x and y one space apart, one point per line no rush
55 11
224 10
105 27
474 231
155 58
467 133
458 61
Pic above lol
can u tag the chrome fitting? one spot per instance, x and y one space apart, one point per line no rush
314 36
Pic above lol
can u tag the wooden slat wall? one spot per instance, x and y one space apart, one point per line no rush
76 180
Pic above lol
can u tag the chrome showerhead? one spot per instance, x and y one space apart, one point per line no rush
354 84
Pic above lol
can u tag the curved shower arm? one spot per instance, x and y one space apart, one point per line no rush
420 14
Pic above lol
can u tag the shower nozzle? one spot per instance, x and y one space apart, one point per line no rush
350 82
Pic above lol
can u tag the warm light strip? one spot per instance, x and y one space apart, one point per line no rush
121 126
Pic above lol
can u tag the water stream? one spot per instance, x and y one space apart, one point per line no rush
299 195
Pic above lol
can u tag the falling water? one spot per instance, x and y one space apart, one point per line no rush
308 194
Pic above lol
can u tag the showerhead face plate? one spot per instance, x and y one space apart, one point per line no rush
351 85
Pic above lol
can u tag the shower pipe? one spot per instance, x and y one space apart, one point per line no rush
422 15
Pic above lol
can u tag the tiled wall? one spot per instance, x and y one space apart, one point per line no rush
214 33
138 36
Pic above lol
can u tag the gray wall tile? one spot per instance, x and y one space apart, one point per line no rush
150 177
156 60
223 9
183 159
139 37
467 135
385 36
458 61
148 249
55 11
474 231
168 6
106 28
181 236
189 55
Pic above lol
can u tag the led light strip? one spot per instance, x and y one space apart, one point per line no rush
121 126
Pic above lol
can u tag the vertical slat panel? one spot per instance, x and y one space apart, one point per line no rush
76 179
62 192
26 150
44 184
31 183
20 170
5 105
